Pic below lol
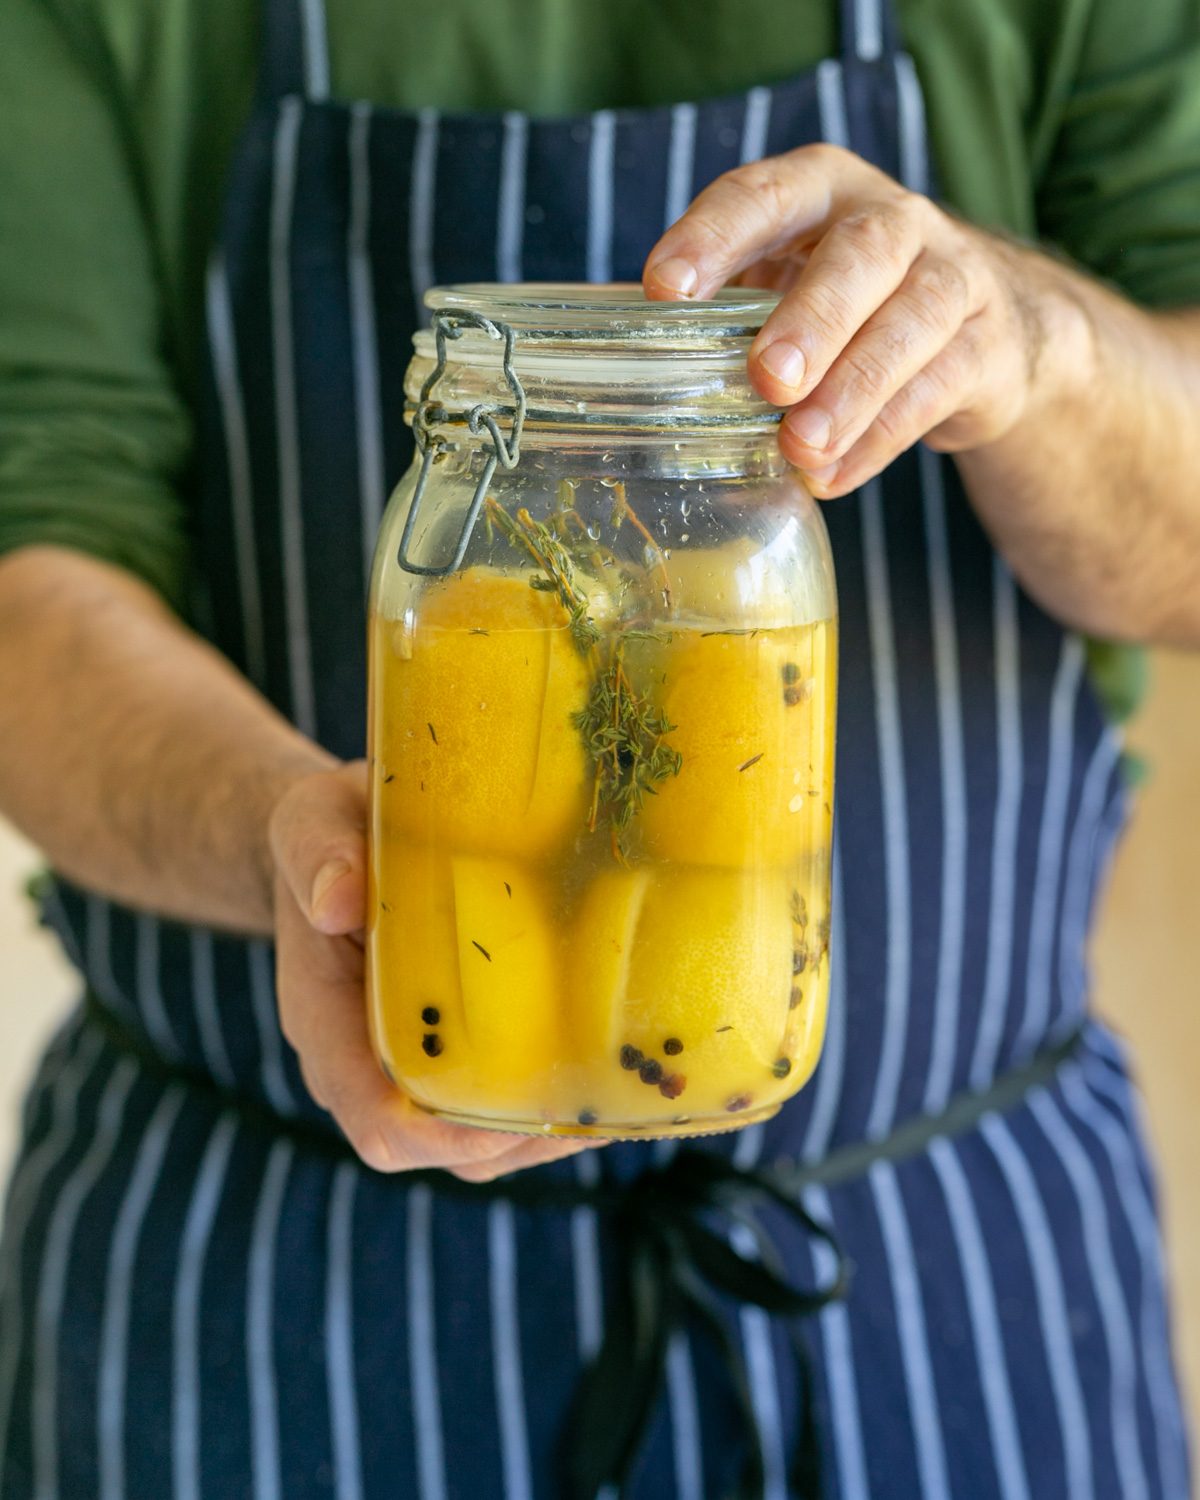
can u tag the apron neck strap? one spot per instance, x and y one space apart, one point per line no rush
868 30
295 51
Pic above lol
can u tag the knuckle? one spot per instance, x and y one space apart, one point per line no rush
939 291
371 1139
826 312
967 361
832 158
718 227
894 423
872 374
761 186
880 232
373 1147
477 1172
911 411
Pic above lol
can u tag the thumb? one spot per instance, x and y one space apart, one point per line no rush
318 838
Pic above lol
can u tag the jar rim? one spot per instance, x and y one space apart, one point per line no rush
617 311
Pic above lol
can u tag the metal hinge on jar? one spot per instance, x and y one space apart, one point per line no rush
504 453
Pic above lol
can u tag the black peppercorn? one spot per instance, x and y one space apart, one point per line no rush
672 1046
781 1067
587 1117
799 959
796 997
431 1044
790 673
742 1101
431 1015
651 1071
631 1057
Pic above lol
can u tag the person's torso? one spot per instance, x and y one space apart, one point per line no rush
978 786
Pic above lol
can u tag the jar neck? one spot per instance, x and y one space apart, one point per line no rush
565 449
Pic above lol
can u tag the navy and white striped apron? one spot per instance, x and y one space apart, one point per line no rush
197 1304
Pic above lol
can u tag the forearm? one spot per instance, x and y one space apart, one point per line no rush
131 752
1093 496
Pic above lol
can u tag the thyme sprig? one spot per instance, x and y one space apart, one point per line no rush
625 739
549 552
622 732
623 511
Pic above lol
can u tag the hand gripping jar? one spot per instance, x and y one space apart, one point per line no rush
602 700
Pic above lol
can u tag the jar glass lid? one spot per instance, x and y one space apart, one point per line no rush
588 355
569 311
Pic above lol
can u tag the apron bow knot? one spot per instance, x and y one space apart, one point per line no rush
673 1227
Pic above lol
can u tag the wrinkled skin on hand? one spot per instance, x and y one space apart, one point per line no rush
897 322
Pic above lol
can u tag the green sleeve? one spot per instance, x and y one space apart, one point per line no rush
1120 187
94 438
1119 191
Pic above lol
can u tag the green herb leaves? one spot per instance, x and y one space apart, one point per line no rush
548 551
625 739
624 735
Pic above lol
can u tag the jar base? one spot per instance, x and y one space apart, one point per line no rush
605 1130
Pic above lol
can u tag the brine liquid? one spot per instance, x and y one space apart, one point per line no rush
523 971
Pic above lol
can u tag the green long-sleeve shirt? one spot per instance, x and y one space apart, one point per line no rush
1075 120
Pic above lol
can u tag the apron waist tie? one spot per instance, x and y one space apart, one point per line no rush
671 1224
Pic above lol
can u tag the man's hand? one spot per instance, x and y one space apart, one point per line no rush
1073 414
897 322
318 839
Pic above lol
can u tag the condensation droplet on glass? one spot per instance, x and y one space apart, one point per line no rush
593 531
796 803
684 536
685 510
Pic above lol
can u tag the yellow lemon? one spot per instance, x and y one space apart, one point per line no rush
682 978
752 717
509 967
412 964
464 983
740 583
472 717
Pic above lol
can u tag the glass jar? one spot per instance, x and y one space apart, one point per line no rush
602 696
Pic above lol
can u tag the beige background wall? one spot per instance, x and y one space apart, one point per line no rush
1147 963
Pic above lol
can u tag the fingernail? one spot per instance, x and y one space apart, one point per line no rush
327 876
822 478
785 361
677 275
811 426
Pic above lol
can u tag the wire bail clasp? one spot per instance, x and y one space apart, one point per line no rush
451 324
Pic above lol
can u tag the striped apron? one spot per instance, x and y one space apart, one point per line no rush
199 1302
